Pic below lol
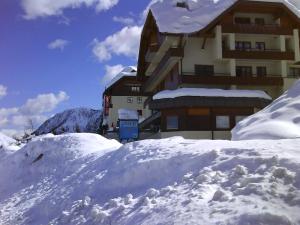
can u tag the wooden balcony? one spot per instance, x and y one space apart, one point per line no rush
269 54
170 58
232 80
273 29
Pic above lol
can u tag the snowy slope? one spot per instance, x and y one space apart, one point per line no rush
200 13
279 120
87 179
7 146
72 120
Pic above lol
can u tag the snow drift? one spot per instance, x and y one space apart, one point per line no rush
279 120
7 146
72 121
87 179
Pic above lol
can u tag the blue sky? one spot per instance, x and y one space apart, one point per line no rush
58 54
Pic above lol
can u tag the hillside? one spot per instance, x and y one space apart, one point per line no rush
7 145
280 120
87 179
72 121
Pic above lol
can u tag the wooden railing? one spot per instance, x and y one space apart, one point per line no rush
232 80
257 29
272 54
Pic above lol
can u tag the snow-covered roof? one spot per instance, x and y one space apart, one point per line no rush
128 114
210 92
198 13
129 71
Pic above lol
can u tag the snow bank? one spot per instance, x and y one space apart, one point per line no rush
198 14
210 92
7 146
87 179
280 120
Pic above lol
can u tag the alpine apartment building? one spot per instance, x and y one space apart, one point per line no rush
123 92
205 65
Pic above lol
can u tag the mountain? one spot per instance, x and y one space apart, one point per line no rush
7 145
77 120
280 120
86 179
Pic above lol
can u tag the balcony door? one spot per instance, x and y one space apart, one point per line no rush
242 71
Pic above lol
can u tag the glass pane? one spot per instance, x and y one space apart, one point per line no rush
222 122
172 122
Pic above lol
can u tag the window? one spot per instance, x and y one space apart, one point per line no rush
222 122
242 45
140 112
139 100
295 72
239 118
205 70
135 89
172 122
129 99
261 71
260 46
243 71
259 21
242 20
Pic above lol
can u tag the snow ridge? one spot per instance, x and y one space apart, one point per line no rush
73 120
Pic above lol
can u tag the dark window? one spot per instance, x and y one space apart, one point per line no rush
182 5
205 70
172 122
261 71
295 72
140 112
129 99
242 20
260 46
260 21
222 122
242 45
139 100
243 71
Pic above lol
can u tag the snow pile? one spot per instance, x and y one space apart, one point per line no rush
197 14
129 71
73 120
279 120
87 179
7 145
128 114
210 92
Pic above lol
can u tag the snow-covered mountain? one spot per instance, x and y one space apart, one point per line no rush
279 120
77 120
87 179
7 145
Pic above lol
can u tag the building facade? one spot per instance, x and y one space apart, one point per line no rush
246 46
123 92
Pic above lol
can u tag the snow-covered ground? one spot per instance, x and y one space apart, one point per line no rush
280 120
87 179
7 145
77 120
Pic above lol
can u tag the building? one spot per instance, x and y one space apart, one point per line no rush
123 92
207 65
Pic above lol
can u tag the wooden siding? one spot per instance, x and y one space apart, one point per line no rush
270 54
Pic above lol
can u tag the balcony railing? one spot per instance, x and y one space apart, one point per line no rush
254 53
222 79
256 29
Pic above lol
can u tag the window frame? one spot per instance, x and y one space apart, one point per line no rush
227 122
169 127
130 100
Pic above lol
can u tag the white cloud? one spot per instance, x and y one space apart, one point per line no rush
125 20
34 109
3 91
43 8
111 72
124 42
58 44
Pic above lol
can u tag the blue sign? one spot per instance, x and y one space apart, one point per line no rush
128 129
